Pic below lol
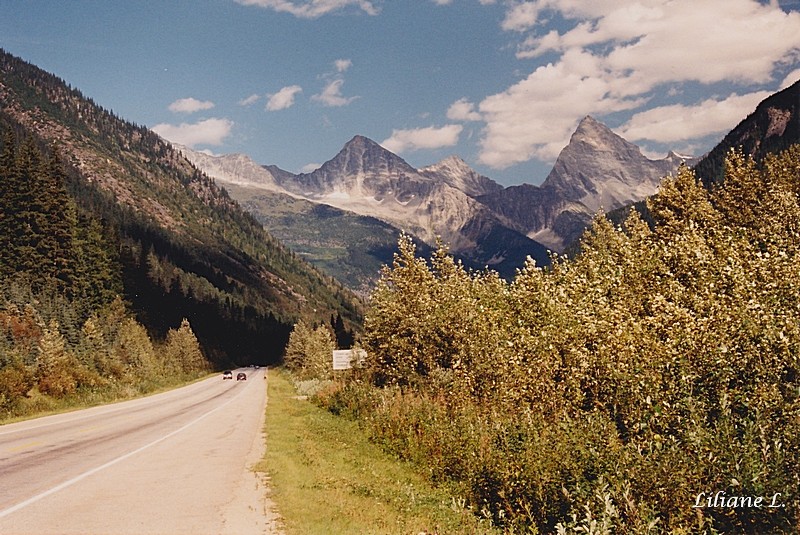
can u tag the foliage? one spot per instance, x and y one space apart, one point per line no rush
327 477
308 353
605 393
182 351
112 351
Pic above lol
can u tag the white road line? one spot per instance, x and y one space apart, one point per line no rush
76 479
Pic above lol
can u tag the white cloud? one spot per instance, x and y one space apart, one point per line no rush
521 16
535 117
617 55
463 110
248 101
331 95
190 105
284 98
207 132
309 167
342 65
790 79
311 9
668 124
422 138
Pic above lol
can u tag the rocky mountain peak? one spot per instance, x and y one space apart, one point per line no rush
361 167
452 164
596 155
599 137
362 155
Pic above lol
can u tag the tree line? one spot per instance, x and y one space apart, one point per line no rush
64 329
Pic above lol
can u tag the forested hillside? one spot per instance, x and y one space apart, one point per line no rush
64 331
619 391
177 245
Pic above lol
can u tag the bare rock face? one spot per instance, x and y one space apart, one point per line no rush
236 169
455 172
361 168
598 171
480 220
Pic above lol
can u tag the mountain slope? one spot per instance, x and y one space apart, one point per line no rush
772 127
350 247
597 171
368 180
188 250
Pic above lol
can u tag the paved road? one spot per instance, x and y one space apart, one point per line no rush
172 463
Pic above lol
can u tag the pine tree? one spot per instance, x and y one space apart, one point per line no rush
57 223
25 199
134 350
297 347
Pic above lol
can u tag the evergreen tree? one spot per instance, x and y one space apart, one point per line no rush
134 351
57 223
26 216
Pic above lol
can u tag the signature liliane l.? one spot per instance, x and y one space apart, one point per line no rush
720 499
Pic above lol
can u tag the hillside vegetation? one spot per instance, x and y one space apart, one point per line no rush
613 392
183 247
350 247
65 336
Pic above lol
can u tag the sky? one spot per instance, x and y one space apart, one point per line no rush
500 83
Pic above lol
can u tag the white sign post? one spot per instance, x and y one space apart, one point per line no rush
343 358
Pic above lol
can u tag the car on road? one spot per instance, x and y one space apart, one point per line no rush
227 374
241 376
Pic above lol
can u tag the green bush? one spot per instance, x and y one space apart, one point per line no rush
605 393
309 352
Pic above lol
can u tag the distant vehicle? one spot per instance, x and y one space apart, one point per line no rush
241 376
227 374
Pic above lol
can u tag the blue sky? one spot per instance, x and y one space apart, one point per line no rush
500 83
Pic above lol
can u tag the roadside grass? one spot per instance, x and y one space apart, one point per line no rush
326 477
37 405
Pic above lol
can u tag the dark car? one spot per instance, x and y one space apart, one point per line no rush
241 376
227 375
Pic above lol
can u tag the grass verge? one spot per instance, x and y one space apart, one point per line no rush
328 478
37 405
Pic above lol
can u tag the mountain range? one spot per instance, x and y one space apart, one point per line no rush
482 222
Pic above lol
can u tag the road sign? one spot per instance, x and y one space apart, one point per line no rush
343 358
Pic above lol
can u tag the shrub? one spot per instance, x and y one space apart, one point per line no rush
603 394
309 352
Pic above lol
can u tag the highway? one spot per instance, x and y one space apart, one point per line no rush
172 463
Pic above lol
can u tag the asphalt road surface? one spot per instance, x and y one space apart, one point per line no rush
173 463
